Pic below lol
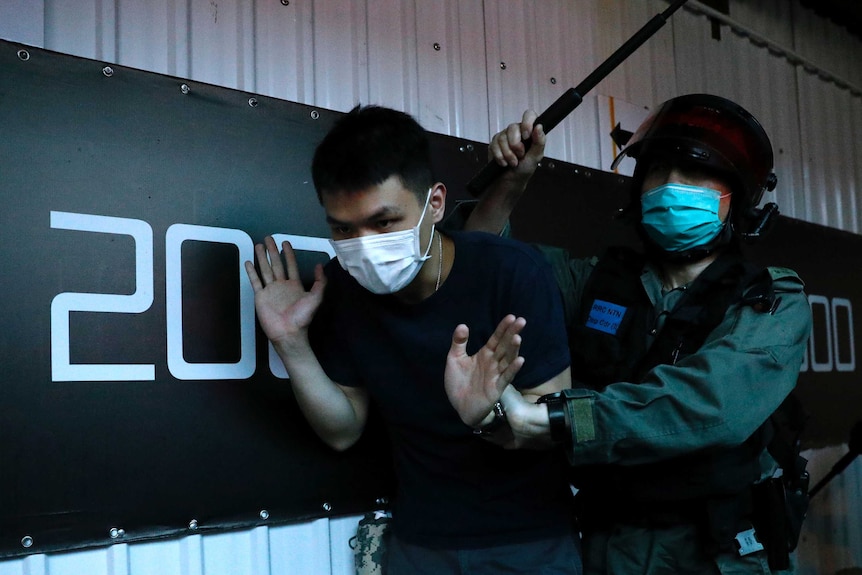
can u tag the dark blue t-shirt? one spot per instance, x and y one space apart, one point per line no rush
455 490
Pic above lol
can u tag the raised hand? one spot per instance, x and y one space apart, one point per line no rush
475 382
508 148
284 308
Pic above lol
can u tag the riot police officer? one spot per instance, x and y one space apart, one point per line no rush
684 354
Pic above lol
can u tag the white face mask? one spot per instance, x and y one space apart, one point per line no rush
384 263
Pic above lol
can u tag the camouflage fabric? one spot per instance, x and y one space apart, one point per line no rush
369 543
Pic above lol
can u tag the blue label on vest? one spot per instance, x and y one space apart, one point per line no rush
606 316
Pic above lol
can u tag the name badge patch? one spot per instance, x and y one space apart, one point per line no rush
606 316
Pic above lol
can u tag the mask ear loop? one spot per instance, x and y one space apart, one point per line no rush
426 256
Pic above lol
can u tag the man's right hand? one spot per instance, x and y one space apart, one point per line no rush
284 308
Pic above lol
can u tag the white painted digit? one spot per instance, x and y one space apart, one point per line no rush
62 369
840 364
178 366
814 362
305 243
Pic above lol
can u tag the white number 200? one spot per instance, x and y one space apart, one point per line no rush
62 369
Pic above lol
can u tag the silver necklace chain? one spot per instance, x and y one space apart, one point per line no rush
440 266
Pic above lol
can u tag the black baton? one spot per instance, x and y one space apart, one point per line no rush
573 97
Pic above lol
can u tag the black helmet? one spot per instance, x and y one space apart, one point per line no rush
715 132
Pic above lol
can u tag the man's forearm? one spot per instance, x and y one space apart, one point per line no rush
337 414
528 420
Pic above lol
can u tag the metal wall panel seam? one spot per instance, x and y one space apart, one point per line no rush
71 28
757 39
469 119
301 548
836 128
260 552
30 565
247 30
581 132
855 152
284 60
390 59
191 556
106 30
23 20
437 72
341 529
117 559
778 111
89 561
179 38
339 72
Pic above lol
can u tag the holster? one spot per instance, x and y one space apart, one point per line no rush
770 522
780 505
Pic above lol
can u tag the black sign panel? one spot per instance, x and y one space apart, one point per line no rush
138 398
137 394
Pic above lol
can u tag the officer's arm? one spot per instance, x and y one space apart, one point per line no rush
507 148
716 397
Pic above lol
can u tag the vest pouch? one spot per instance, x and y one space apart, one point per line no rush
601 356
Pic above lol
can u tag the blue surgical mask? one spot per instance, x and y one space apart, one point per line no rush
679 217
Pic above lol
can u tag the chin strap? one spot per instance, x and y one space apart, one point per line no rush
763 219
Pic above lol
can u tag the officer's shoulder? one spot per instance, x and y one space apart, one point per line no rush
785 279
781 279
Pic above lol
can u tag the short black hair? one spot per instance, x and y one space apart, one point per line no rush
367 146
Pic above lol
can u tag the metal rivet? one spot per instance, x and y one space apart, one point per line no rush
264 514
27 541
285 2
502 65
252 102
551 165
115 533
184 88
553 80
315 114
382 501
193 524
24 55
437 46
108 71
327 507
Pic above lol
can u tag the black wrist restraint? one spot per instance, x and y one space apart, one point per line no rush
496 424
558 417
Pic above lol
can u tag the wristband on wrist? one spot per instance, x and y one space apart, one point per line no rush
496 424
558 417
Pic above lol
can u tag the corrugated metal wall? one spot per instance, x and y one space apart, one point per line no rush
467 68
